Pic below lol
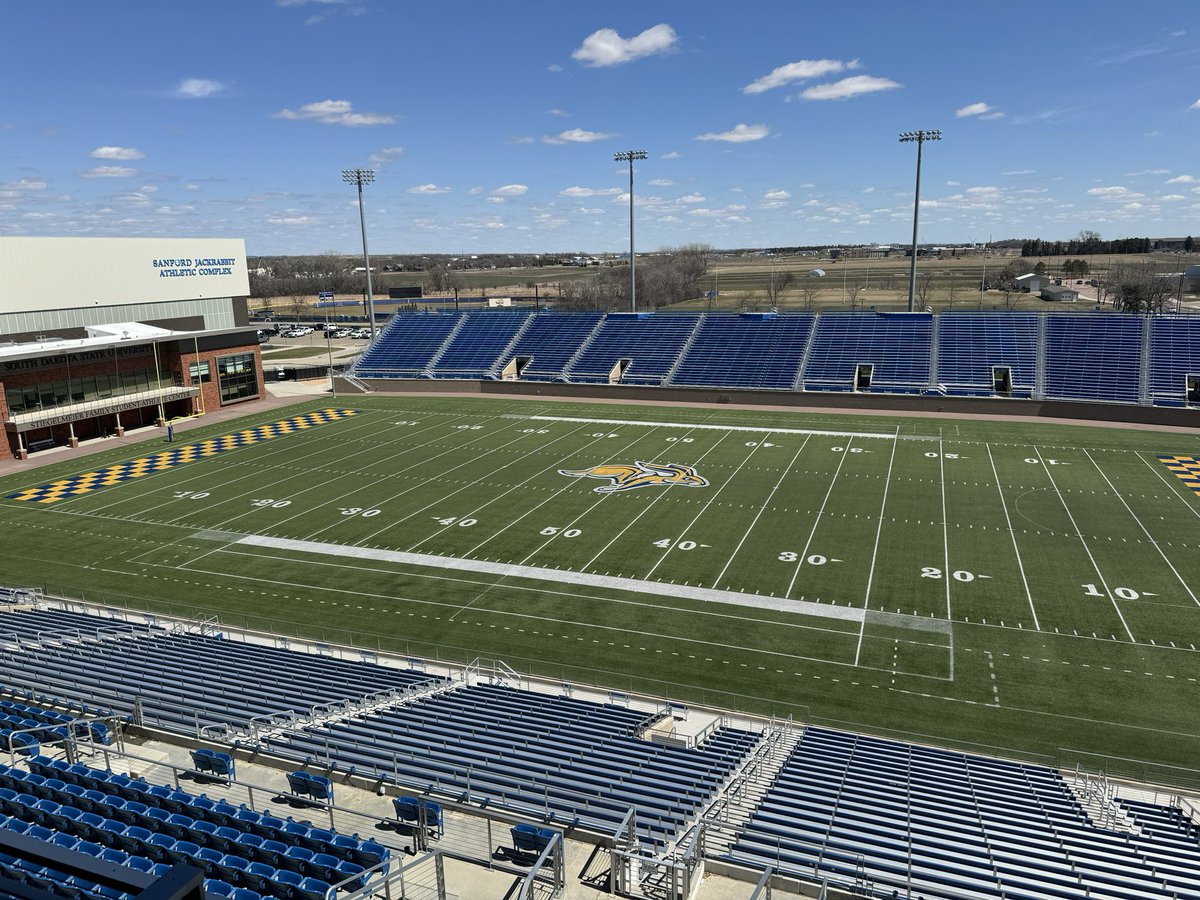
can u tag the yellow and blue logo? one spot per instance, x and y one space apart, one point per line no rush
621 477
87 482
1186 469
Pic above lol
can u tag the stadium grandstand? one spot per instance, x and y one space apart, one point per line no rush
1100 357
143 750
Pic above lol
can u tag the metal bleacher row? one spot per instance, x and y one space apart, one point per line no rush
942 823
1103 356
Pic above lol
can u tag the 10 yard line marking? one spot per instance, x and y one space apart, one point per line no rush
761 510
1013 535
887 483
1086 550
817 520
1149 537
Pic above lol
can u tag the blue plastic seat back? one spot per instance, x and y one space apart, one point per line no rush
312 889
218 888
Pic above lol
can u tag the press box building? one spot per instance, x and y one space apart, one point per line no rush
102 334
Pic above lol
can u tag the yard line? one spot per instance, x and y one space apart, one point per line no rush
887 483
1149 537
756 429
1169 482
717 493
1013 534
761 510
817 521
645 509
567 485
1086 549
945 532
517 486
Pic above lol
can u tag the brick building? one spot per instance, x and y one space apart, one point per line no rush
99 335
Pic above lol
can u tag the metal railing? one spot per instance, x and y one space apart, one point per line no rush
547 876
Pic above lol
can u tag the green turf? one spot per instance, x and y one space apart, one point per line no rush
1013 650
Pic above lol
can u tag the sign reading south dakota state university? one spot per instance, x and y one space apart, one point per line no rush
181 268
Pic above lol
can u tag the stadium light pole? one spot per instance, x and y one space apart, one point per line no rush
361 177
629 156
920 137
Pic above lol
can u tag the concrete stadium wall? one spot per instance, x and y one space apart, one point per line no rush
833 401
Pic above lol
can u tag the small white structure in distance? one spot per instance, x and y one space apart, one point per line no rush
816 273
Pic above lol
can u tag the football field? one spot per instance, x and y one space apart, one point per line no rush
1025 586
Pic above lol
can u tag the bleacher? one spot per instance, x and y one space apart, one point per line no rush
149 827
897 347
751 350
652 342
185 680
475 349
406 346
1174 355
550 342
944 824
531 753
972 344
1094 357
1081 356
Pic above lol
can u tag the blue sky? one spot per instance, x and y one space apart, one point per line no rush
492 125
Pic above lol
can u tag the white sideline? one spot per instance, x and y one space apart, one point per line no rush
662 589
864 434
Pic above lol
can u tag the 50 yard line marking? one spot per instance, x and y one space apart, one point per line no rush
1086 549
887 483
1149 537
1012 534
761 510
817 520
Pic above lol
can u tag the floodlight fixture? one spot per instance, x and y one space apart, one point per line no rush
919 138
629 156
360 177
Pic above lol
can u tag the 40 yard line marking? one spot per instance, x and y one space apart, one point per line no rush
1012 534
1149 537
887 483
1086 549
761 510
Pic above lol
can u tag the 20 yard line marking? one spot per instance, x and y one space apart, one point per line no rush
761 510
887 483
1153 542
945 531
1086 549
1013 534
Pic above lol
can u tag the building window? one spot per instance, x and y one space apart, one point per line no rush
237 376
200 372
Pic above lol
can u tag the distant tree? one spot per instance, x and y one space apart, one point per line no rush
924 283
853 292
1139 289
1188 244
810 289
777 284
1039 269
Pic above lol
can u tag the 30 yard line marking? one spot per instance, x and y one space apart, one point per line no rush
1086 549
1149 537
683 534
817 521
1013 534
887 482
761 510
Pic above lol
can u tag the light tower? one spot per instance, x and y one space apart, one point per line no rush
629 156
361 177
907 137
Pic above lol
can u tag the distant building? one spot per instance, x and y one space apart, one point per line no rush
816 273
1033 282
1059 294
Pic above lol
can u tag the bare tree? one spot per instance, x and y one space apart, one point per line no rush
924 283
810 289
1138 289
777 284
853 292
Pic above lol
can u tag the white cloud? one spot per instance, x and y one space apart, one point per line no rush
1148 172
554 67
24 184
199 88
588 192
1115 192
429 189
983 110
109 172
562 113
478 189
577 136
1195 105
739 134
511 190
607 48
661 182
853 86
692 198
335 112
385 156
674 154
1182 179
1172 197
191 186
801 70
591 210
289 220
868 190
775 199
983 189
116 153
1019 172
